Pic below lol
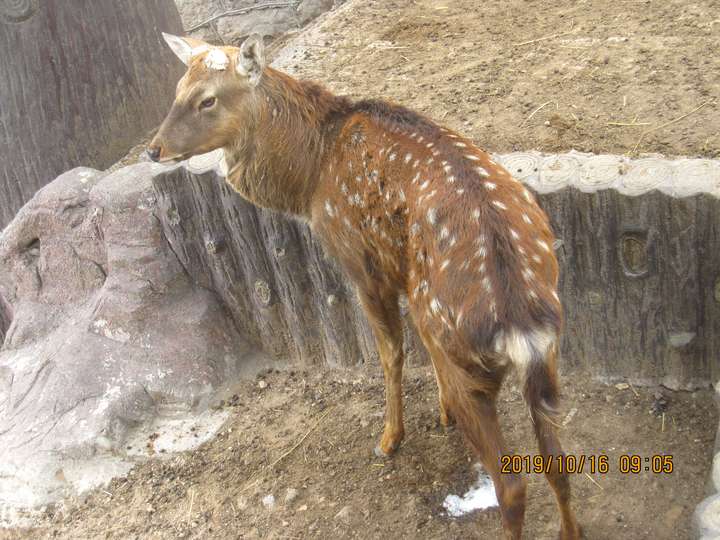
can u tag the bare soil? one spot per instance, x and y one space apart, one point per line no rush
519 75
653 67
313 431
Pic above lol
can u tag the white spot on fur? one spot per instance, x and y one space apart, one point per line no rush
408 158
476 213
460 144
482 172
217 59
435 306
472 157
450 179
500 205
444 233
514 234
425 184
414 229
490 186
543 245
392 156
537 259
430 144
445 264
527 219
416 178
329 209
487 284
432 216
460 191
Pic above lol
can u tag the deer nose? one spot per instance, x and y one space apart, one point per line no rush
153 152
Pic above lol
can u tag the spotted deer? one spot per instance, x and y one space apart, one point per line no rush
406 207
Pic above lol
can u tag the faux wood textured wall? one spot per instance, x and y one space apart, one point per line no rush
639 274
81 81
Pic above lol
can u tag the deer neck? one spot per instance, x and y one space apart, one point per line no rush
277 158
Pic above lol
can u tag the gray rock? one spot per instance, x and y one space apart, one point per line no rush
233 29
707 519
109 337
290 495
269 501
345 514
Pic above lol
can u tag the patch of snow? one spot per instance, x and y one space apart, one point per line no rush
479 497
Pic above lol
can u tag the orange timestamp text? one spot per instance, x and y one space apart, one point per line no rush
583 463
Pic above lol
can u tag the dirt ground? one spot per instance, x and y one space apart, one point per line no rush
556 75
621 77
313 431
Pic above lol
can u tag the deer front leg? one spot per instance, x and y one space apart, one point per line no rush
383 314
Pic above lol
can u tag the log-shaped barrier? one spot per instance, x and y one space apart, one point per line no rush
637 244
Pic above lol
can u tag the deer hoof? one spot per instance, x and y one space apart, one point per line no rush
446 420
385 449
575 534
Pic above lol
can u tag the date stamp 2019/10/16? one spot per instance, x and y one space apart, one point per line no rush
582 463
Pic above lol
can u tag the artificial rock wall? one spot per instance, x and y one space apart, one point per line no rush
98 81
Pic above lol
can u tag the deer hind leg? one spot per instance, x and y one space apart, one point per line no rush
541 395
470 394
383 313
446 418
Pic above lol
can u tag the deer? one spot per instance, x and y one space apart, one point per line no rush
407 208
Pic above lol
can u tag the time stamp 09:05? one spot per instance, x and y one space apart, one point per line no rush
593 464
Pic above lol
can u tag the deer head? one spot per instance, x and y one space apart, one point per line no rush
214 100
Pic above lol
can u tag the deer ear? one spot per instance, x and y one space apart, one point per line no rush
185 48
251 59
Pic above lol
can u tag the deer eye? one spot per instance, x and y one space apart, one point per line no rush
207 103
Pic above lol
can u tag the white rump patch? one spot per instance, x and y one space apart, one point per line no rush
520 346
217 59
